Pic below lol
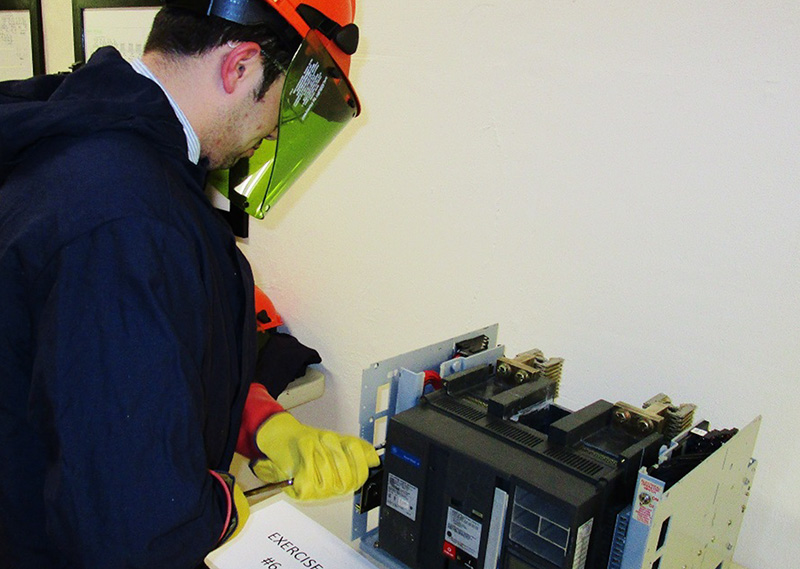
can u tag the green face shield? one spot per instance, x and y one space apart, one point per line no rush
316 103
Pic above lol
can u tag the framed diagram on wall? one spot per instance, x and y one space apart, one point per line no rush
21 40
123 24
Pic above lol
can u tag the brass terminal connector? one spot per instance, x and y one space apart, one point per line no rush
657 414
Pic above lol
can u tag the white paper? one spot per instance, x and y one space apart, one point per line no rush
124 28
278 536
16 50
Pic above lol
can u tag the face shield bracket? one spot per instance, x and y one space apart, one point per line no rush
345 37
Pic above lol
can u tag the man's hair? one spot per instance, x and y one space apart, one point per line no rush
180 32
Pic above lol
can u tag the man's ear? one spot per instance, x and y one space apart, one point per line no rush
239 64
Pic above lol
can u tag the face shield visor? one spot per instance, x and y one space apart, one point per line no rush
316 103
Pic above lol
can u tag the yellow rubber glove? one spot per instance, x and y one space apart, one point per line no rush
242 509
322 463
239 509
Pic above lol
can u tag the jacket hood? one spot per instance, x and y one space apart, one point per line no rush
105 94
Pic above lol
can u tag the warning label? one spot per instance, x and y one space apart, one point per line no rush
463 532
648 495
582 544
402 496
308 89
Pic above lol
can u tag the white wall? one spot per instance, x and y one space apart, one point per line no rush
57 31
614 182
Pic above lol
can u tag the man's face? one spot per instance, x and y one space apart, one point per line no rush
246 124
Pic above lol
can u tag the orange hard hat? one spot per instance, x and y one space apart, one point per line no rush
333 19
266 315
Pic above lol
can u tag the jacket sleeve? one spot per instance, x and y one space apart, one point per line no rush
118 397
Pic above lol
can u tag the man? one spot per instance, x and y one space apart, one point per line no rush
127 337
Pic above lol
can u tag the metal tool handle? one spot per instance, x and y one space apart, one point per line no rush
274 487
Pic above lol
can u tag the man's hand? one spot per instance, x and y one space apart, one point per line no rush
322 463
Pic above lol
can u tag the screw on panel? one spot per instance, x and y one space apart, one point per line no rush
521 376
621 415
503 369
644 425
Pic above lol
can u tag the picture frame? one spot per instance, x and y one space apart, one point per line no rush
21 39
123 24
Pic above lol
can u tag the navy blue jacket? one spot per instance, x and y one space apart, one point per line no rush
127 328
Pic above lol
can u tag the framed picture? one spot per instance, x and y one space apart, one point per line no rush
21 40
123 24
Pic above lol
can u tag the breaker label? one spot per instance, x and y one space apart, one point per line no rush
648 495
463 532
404 455
582 544
402 496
